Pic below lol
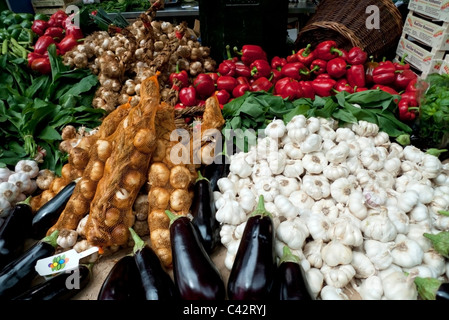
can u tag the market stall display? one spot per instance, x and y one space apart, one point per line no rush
317 175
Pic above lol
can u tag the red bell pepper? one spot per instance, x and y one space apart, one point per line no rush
187 96
278 62
411 87
242 80
227 67
182 78
305 55
323 87
343 85
295 70
276 75
33 56
214 76
385 88
408 106
307 89
39 27
327 50
384 73
204 85
227 83
402 65
74 31
57 33
41 65
292 58
223 96
336 67
357 89
323 76
260 68
291 91
242 70
251 53
67 44
356 75
279 86
240 90
57 19
42 44
261 84
369 68
403 78
318 66
357 55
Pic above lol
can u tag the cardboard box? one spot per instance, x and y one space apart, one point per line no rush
51 6
427 32
437 9
420 58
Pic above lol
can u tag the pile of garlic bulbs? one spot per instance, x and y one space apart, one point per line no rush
352 204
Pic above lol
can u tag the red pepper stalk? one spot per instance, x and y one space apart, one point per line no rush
327 50
305 55
402 65
318 66
250 53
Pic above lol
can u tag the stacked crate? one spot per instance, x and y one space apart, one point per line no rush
425 37
51 6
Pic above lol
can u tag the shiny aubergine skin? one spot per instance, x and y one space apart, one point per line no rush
195 275
48 214
122 282
14 231
443 292
289 283
216 170
17 275
157 283
254 266
56 287
203 212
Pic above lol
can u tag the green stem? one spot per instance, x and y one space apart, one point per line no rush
427 287
172 216
435 152
260 209
51 239
288 256
200 177
139 244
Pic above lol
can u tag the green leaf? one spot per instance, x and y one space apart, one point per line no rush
345 116
300 109
49 134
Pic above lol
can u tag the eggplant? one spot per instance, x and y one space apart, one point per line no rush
122 282
14 231
252 273
289 281
432 288
219 168
203 212
157 283
48 214
196 276
17 275
56 288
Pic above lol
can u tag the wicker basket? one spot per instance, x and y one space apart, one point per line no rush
345 23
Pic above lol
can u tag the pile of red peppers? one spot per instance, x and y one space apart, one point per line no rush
61 31
321 71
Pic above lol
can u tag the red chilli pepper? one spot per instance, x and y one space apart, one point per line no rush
295 70
182 76
327 50
41 65
42 44
318 66
251 53
307 89
261 84
357 55
384 73
402 65
57 33
187 96
204 85
323 87
278 62
403 78
356 75
227 83
240 90
407 106
305 55
260 68
39 27
336 68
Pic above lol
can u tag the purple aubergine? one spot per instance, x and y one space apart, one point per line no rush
254 266
289 281
157 283
196 276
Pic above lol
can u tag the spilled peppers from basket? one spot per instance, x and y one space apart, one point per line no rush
356 75
323 87
356 56
181 76
295 70
261 83
305 55
318 66
403 78
327 50
260 68
407 106
227 67
278 62
251 53
384 73
336 68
